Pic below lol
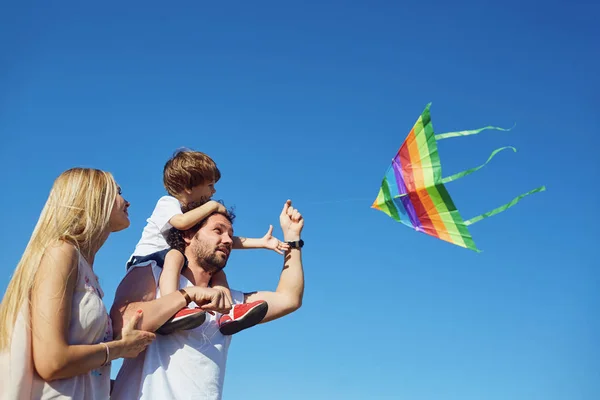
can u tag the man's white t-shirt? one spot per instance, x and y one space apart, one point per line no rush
154 234
184 365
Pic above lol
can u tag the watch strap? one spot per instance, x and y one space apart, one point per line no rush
296 244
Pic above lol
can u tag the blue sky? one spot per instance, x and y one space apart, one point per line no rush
310 101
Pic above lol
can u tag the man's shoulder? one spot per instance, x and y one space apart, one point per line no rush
139 281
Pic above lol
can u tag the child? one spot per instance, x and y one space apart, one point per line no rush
189 177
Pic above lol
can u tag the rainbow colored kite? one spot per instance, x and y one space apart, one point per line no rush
413 191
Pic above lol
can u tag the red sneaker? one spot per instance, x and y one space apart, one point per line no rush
186 318
243 316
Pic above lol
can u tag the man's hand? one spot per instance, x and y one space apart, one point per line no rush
209 299
291 222
271 242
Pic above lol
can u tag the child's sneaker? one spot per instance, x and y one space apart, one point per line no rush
186 318
243 316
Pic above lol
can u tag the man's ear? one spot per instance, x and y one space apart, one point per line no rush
187 238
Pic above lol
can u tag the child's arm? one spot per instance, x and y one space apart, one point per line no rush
169 277
219 282
192 217
266 242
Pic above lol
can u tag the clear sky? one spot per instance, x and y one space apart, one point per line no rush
310 101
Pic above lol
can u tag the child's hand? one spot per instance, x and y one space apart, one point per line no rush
271 242
218 207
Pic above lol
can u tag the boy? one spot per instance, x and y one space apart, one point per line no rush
189 177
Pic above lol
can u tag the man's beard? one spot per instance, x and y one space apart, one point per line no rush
209 260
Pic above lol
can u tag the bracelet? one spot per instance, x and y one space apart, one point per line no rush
107 359
188 299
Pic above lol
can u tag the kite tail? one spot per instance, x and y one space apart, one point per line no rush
470 132
471 170
503 207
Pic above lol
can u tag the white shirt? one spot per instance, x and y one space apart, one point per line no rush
184 365
154 234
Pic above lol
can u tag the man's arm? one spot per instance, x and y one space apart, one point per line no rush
287 298
137 292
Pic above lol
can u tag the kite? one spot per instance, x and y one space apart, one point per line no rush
414 193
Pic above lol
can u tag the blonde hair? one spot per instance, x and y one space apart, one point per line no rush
77 211
188 168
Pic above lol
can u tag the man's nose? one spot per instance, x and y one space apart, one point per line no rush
227 239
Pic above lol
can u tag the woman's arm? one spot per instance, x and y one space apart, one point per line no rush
51 301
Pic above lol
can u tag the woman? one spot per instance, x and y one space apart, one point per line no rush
56 338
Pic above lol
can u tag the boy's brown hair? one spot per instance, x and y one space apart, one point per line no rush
188 168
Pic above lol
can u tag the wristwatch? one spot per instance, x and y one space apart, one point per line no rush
298 244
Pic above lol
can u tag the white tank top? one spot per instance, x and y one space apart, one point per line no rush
184 365
90 324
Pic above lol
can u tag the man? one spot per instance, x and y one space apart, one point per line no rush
190 364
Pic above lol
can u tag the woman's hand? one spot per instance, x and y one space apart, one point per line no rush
134 341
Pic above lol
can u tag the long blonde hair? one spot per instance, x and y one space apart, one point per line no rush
77 211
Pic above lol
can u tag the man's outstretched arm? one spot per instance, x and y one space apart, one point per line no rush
287 297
